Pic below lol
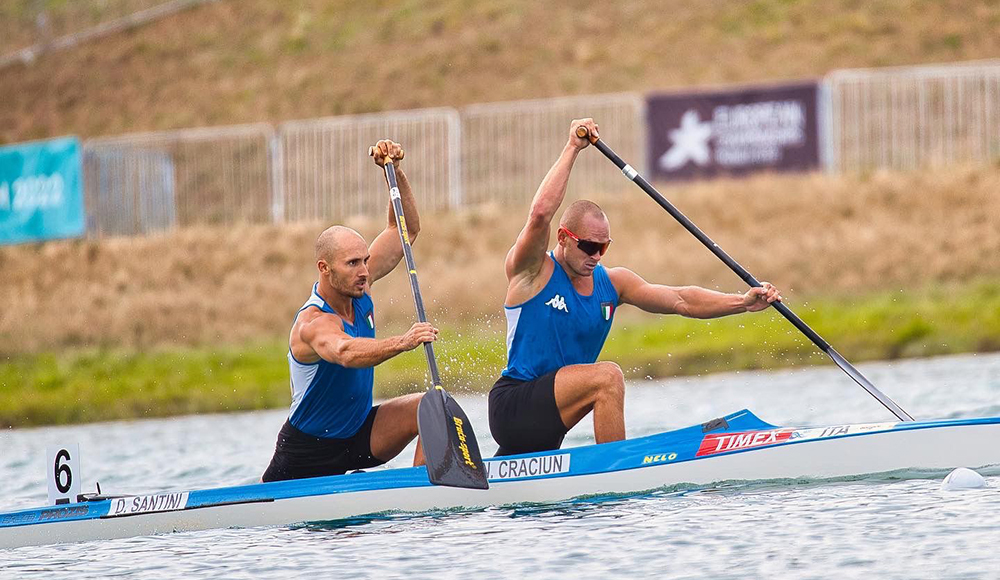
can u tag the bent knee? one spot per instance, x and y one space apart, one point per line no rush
610 375
412 402
407 405
607 381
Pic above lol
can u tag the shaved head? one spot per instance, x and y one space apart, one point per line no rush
333 239
577 211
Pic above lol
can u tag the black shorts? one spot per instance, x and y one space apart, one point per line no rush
298 455
524 417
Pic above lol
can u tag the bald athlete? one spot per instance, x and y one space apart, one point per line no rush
332 351
560 306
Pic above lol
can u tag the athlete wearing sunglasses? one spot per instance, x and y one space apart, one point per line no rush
560 305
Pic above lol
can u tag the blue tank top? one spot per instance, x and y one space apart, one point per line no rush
559 326
329 400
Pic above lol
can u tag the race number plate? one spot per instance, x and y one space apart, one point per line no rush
62 469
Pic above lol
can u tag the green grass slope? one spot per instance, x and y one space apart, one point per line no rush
237 61
93 385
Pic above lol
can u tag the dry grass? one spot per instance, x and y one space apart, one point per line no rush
253 60
813 235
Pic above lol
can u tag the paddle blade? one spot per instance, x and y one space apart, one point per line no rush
450 447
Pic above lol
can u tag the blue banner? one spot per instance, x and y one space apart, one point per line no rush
41 191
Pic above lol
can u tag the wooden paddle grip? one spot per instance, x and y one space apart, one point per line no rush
584 133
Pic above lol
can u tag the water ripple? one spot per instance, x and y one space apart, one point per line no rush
891 525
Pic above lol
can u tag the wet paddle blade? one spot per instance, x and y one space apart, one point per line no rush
450 446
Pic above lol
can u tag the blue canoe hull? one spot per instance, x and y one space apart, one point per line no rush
738 446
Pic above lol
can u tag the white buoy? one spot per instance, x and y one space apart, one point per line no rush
963 478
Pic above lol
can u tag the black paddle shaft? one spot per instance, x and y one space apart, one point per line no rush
747 277
450 448
404 237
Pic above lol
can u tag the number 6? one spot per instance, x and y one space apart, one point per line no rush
63 469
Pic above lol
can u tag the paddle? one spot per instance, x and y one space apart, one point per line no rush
450 447
634 176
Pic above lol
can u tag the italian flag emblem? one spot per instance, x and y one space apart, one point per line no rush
371 319
607 309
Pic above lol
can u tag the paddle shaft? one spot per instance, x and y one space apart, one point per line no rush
740 271
404 238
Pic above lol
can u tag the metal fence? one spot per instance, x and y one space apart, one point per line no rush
318 169
325 172
905 118
30 27
142 183
508 147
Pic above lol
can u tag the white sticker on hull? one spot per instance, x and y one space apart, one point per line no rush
144 504
824 432
527 466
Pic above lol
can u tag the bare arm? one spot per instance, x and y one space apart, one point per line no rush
386 250
527 255
324 334
690 301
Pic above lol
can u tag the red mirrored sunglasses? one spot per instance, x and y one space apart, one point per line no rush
588 247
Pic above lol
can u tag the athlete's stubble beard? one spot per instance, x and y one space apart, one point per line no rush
352 283
348 281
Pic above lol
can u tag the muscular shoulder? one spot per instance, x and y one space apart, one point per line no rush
623 279
311 325
312 320
309 314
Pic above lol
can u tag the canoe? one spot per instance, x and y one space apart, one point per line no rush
739 446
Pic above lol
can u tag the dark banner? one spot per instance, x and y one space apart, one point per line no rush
733 132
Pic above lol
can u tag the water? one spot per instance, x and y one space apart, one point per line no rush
875 527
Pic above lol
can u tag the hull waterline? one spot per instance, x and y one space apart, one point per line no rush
738 447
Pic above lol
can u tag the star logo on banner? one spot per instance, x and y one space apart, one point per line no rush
690 143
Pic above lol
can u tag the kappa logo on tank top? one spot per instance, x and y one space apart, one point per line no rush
559 303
